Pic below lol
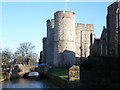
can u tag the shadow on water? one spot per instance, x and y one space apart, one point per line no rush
30 82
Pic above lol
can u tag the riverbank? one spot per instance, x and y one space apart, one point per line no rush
59 75
29 83
1 77
4 76
59 80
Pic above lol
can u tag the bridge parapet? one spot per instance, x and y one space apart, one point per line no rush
19 70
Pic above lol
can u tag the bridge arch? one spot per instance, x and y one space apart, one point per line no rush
31 74
22 70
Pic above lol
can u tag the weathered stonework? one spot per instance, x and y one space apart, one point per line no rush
113 28
64 38
44 50
84 39
109 43
66 42
96 50
74 73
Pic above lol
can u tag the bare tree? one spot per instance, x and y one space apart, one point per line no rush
6 58
25 51
33 58
6 55
17 57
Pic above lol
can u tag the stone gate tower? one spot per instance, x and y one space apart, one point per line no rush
66 42
64 38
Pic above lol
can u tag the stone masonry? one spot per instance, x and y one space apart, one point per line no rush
113 29
66 43
109 42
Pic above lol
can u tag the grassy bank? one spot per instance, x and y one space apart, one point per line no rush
61 72
0 74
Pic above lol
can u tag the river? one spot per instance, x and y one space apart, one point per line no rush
30 82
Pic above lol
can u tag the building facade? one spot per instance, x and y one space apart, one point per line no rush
109 43
66 42
113 24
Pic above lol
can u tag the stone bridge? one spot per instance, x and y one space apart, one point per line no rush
19 70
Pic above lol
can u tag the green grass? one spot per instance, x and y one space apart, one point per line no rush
64 76
0 74
62 72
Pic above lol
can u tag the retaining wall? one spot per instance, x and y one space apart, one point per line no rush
61 81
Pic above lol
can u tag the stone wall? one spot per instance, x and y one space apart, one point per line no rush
79 28
96 50
67 42
50 41
83 39
44 55
19 70
64 38
113 28
109 43
104 43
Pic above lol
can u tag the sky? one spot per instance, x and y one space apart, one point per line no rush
26 21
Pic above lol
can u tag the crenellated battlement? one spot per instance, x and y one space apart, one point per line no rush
81 26
64 12
64 34
90 27
50 23
61 13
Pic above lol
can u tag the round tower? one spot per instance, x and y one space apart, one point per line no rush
64 38
49 43
50 29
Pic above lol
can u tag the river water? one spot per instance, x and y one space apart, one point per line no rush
30 82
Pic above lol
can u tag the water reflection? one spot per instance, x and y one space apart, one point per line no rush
29 83
33 74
